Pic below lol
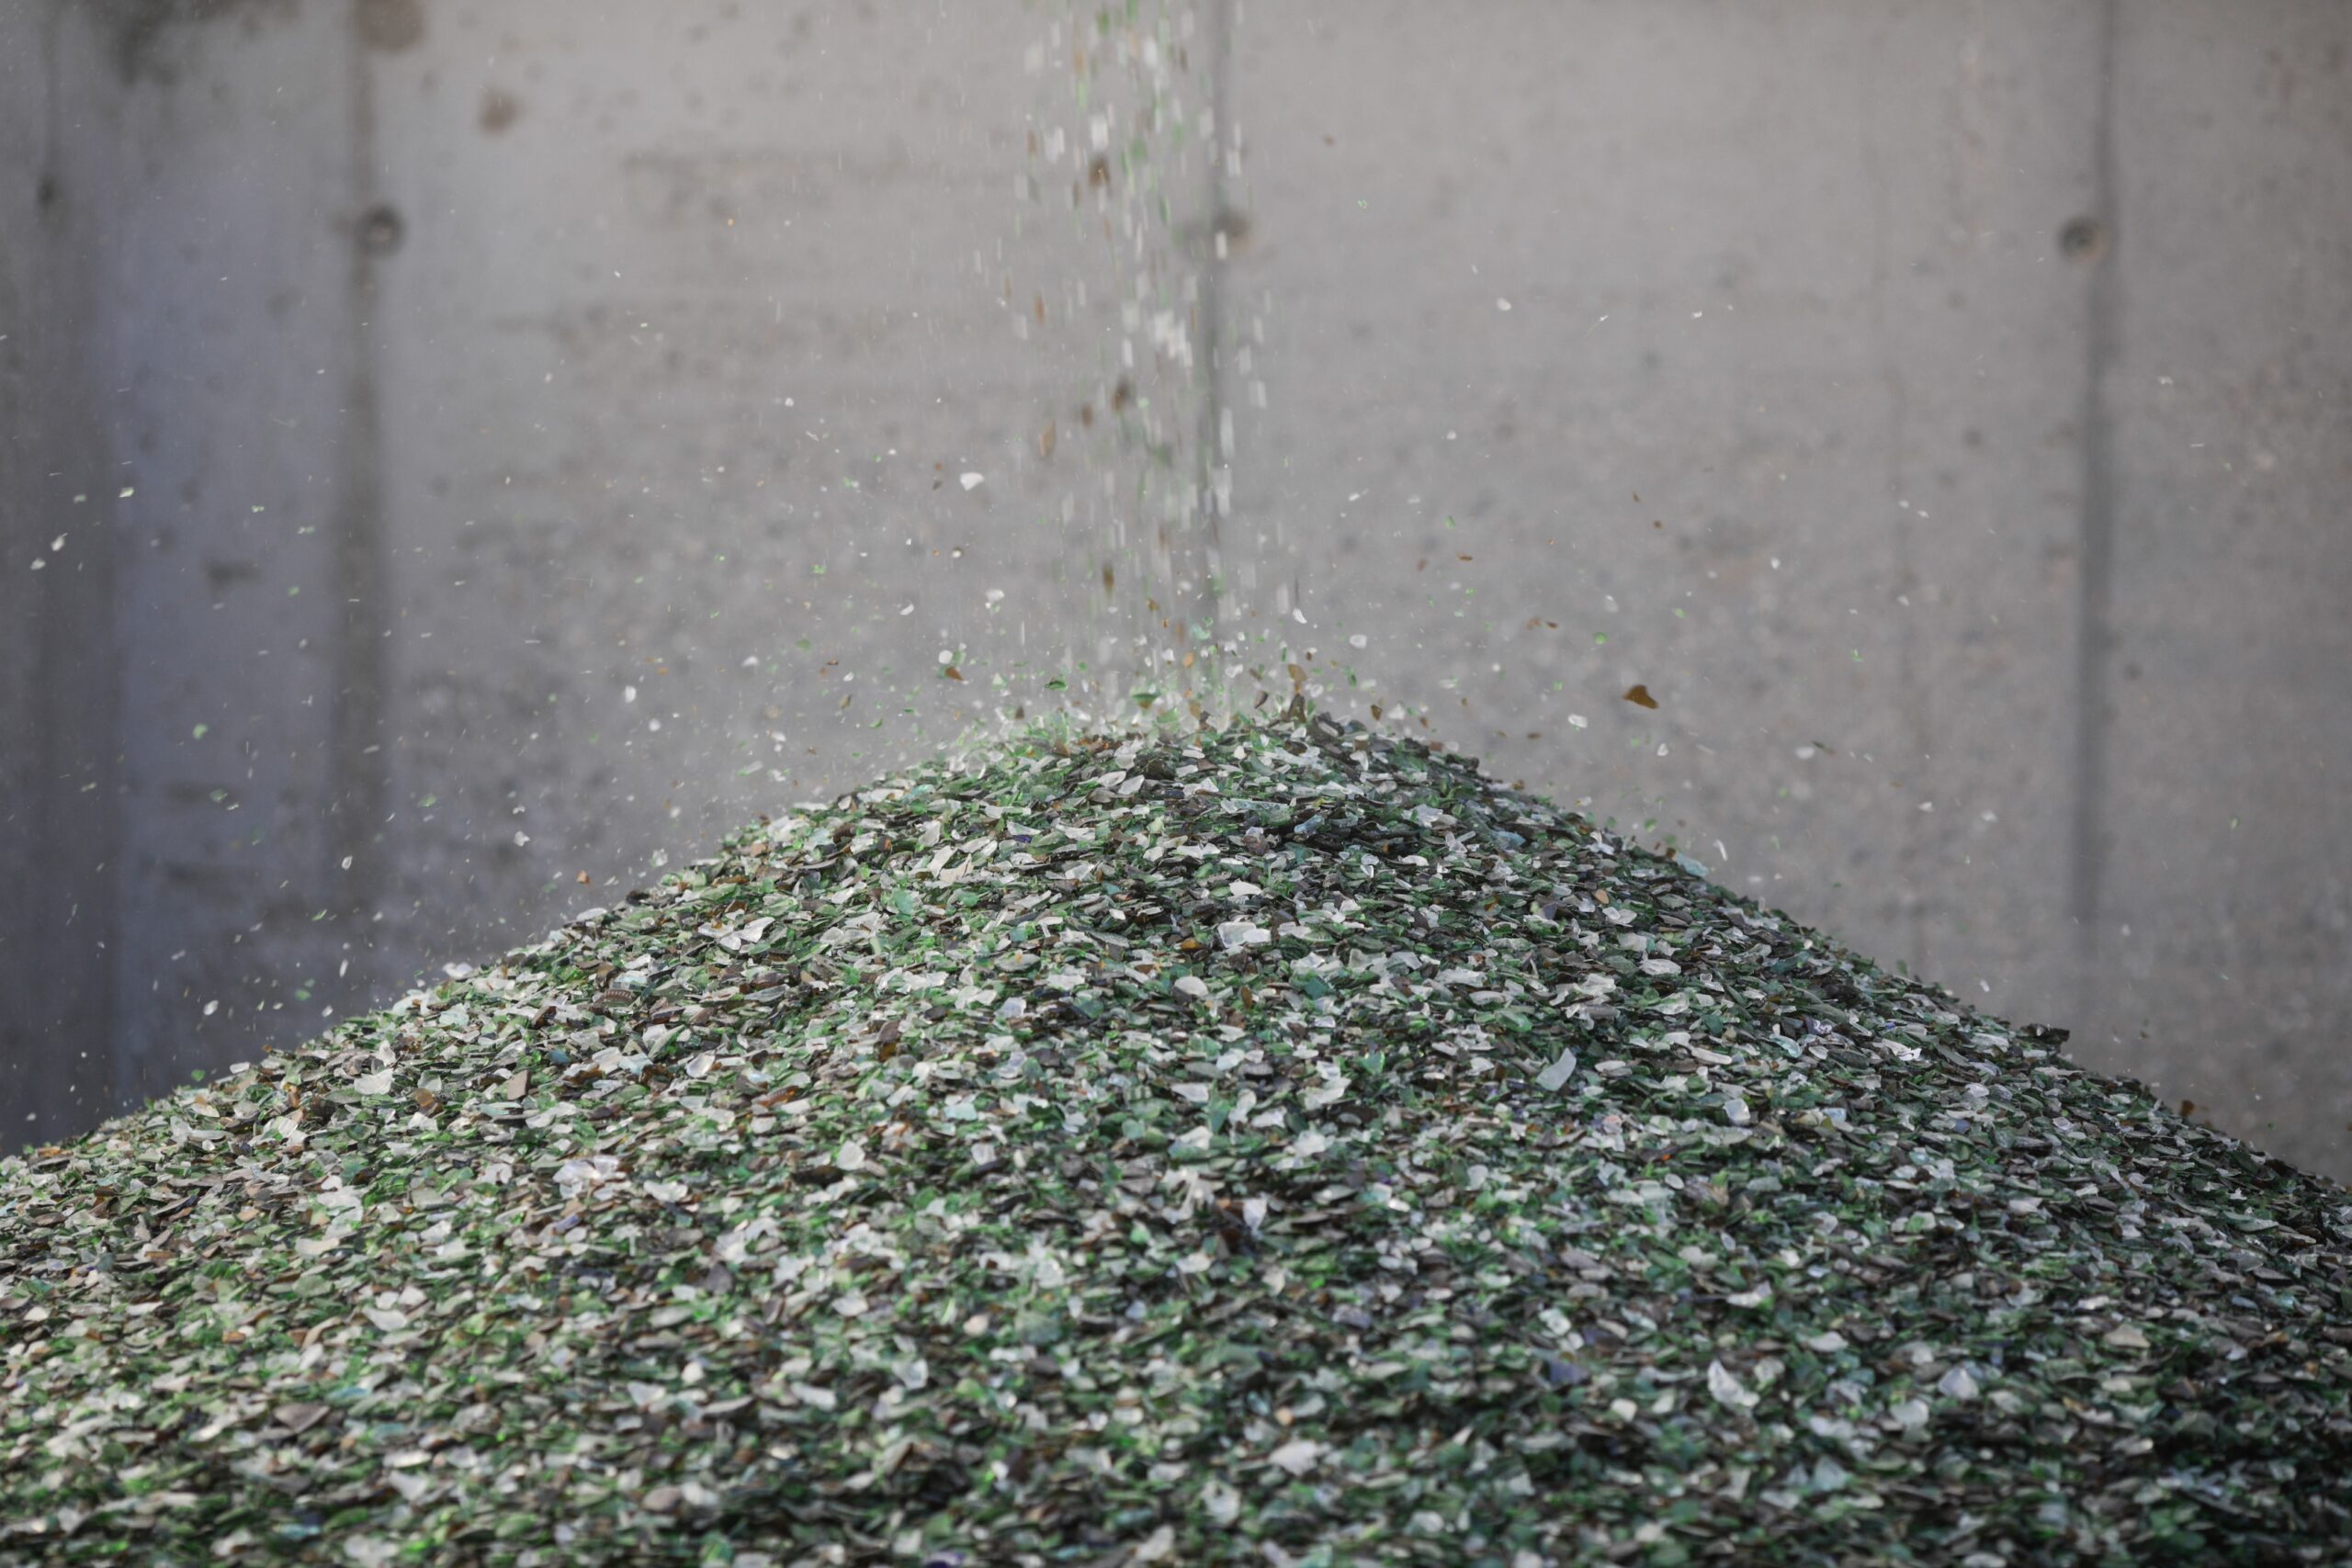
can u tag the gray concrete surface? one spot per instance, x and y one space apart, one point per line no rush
496 383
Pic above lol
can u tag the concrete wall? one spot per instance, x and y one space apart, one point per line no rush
499 382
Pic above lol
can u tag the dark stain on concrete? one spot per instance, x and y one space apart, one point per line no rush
140 26
499 110
381 230
2084 240
391 25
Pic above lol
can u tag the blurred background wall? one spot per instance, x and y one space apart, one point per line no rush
454 452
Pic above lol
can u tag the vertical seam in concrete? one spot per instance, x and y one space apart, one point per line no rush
70 1000
1911 695
355 764
1213 336
73 683
2087 871
52 125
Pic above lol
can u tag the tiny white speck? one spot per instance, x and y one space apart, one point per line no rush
973 481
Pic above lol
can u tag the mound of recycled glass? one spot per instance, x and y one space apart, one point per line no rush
1272 1145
